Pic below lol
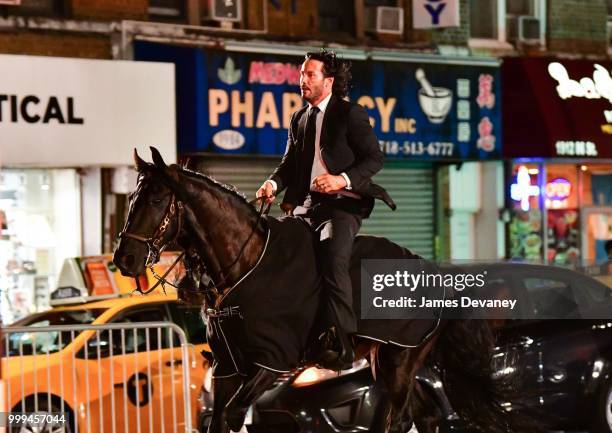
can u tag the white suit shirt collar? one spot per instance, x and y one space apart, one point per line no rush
322 105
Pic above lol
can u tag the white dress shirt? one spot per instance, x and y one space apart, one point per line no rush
318 165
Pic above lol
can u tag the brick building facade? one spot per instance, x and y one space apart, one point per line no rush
92 28
105 29
579 27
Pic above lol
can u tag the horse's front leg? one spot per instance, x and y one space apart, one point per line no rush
425 411
397 368
252 388
392 366
223 390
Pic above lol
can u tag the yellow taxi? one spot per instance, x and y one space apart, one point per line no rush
130 375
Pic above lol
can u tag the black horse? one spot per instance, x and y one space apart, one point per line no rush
224 238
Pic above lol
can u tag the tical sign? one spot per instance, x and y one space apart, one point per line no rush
432 14
242 103
31 109
59 112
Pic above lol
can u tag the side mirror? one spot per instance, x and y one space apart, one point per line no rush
102 346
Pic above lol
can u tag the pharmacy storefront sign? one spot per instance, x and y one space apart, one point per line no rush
421 109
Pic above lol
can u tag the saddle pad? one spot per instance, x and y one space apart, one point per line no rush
279 300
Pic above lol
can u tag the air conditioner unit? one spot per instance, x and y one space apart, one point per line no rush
226 10
522 28
385 19
528 29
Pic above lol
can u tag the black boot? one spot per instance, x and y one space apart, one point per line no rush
337 351
238 406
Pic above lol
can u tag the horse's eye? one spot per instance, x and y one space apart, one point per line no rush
156 201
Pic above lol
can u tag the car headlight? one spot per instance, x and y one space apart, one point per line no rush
313 375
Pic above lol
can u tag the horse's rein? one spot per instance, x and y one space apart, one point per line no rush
264 209
153 243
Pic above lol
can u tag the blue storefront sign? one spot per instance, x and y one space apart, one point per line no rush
241 103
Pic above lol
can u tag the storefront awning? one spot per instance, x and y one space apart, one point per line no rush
557 108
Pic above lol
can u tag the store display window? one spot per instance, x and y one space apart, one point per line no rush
596 213
40 225
526 234
561 198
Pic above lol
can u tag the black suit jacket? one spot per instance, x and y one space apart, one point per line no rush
348 144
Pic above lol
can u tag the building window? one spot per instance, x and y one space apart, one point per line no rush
525 21
515 21
36 8
40 226
516 12
337 17
484 19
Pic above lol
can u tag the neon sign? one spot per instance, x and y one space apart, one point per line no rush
558 189
557 192
522 190
600 86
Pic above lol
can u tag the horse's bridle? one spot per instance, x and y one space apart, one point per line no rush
154 242
155 248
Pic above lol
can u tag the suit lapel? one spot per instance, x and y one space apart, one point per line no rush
327 124
302 127
302 171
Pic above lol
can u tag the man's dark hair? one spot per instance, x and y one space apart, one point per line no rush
333 67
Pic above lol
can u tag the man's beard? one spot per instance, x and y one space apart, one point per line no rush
312 95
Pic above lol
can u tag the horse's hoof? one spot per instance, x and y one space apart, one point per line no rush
234 417
394 425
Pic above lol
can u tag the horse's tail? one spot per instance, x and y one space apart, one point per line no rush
463 355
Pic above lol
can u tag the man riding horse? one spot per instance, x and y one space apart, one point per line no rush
242 267
260 317
331 155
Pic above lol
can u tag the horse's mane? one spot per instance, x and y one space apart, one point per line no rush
230 191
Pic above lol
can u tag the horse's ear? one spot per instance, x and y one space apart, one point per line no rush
139 163
157 158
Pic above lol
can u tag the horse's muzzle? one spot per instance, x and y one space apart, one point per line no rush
127 263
